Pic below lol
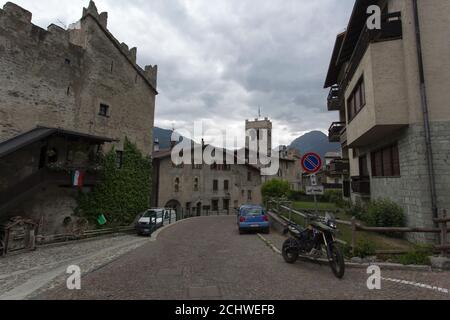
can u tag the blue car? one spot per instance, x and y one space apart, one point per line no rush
253 218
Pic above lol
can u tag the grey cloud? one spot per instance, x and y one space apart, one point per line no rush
220 60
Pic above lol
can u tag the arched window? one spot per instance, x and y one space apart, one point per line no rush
196 184
177 184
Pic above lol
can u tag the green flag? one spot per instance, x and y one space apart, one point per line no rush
101 220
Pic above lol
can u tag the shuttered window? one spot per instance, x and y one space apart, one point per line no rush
386 162
357 99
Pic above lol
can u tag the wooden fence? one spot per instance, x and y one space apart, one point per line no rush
443 247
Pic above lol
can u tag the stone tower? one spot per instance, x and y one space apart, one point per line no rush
259 130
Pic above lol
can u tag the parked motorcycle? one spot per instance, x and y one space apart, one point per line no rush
316 241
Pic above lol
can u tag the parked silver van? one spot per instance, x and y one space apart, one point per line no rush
153 219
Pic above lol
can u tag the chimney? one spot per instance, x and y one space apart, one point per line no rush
156 145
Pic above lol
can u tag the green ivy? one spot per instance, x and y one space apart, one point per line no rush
122 192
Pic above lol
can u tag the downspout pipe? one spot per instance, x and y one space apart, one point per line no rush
426 116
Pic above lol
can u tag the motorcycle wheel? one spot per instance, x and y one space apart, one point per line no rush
337 262
290 255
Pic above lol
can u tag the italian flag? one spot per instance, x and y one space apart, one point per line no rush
78 178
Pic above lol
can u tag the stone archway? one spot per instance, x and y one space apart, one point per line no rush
176 205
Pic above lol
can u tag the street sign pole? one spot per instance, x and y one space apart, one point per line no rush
312 163
315 203
314 184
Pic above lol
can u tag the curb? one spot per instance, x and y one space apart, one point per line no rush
352 265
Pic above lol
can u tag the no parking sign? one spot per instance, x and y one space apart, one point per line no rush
311 163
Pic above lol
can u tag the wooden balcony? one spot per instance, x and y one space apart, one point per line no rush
335 98
335 131
339 167
361 185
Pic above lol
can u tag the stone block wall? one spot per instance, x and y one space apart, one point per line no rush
412 189
59 78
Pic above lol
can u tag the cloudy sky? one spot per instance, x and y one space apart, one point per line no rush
219 60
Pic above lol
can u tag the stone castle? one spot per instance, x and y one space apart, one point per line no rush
65 95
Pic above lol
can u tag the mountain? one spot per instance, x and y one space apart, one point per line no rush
315 141
163 136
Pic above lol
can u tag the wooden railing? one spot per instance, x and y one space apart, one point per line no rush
335 130
443 247
335 98
361 185
42 240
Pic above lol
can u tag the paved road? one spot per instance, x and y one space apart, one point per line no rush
206 258
24 275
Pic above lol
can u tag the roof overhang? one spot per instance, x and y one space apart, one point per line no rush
333 69
346 42
25 139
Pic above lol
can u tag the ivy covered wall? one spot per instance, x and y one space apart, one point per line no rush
122 192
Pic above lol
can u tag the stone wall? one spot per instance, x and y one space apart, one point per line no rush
412 189
237 177
59 78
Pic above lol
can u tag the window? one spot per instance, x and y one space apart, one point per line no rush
104 110
52 156
363 169
215 205
119 159
386 162
249 195
226 185
215 185
195 184
177 185
357 99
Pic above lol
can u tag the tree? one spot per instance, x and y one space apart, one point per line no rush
275 189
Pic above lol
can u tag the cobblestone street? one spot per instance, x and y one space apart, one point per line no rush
199 258
29 273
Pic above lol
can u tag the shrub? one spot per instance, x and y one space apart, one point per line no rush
122 192
365 248
333 196
275 189
419 256
296 195
343 204
384 213
357 210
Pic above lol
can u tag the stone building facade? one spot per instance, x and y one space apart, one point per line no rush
65 96
377 90
202 189
198 190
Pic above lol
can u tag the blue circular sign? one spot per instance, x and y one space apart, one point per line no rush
311 162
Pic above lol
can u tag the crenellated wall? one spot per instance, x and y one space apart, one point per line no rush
59 78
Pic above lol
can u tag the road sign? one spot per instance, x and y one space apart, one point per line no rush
315 191
311 163
313 180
